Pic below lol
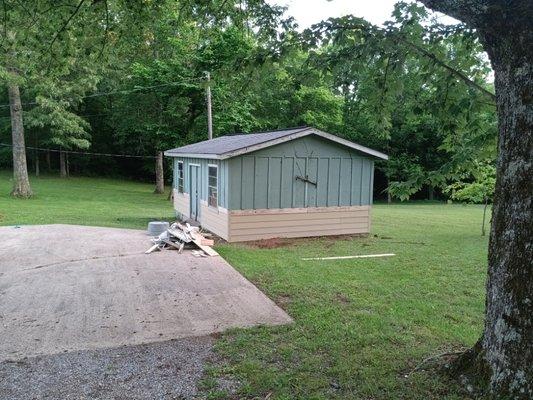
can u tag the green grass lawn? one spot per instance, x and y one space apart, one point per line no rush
83 201
360 325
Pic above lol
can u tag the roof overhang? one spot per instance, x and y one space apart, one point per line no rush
296 135
195 155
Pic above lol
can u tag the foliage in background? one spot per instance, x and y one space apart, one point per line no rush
385 87
475 186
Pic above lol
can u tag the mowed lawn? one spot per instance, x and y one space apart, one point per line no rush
360 326
83 201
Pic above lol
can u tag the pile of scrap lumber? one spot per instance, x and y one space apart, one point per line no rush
177 236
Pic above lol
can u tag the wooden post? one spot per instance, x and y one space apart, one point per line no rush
209 114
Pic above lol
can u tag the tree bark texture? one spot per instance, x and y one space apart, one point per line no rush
21 182
508 334
62 164
505 352
159 174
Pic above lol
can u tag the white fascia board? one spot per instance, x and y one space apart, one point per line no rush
303 133
193 155
352 145
263 145
296 135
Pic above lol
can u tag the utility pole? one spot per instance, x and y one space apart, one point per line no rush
209 116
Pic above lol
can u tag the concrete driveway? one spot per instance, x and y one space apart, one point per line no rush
66 288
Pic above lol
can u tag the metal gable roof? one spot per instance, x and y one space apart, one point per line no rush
228 146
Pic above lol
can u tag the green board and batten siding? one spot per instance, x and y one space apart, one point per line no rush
259 195
266 179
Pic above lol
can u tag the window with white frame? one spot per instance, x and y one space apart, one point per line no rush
180 177
212 186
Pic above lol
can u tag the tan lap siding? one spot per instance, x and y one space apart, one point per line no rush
214 219
181 203
298 222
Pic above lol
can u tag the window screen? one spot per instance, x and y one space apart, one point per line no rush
212 186
180 176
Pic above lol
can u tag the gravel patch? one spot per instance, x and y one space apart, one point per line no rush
161 370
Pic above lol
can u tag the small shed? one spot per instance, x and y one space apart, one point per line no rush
294 182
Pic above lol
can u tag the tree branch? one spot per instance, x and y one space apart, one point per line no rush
455 72
482 14
4 6
104 39
368 27
66 23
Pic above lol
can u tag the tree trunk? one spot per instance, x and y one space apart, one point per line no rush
484 216
431 193
505 350
508 335
37 170
159 175
48 161
62 164
67 165
21 182
389 197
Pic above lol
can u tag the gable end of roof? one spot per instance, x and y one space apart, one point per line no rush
225 147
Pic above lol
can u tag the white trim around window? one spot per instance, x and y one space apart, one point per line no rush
212 185
181 177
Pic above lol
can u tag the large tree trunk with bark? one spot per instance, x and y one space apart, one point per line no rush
504 353
21 182
159 174
508 335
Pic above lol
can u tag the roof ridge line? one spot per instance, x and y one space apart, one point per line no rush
270 131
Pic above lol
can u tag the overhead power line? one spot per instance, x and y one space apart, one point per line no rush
125 91
78 115
76 152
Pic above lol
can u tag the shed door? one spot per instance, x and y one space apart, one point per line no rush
194 177
305 183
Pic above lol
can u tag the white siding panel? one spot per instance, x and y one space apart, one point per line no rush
181 203
214 219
